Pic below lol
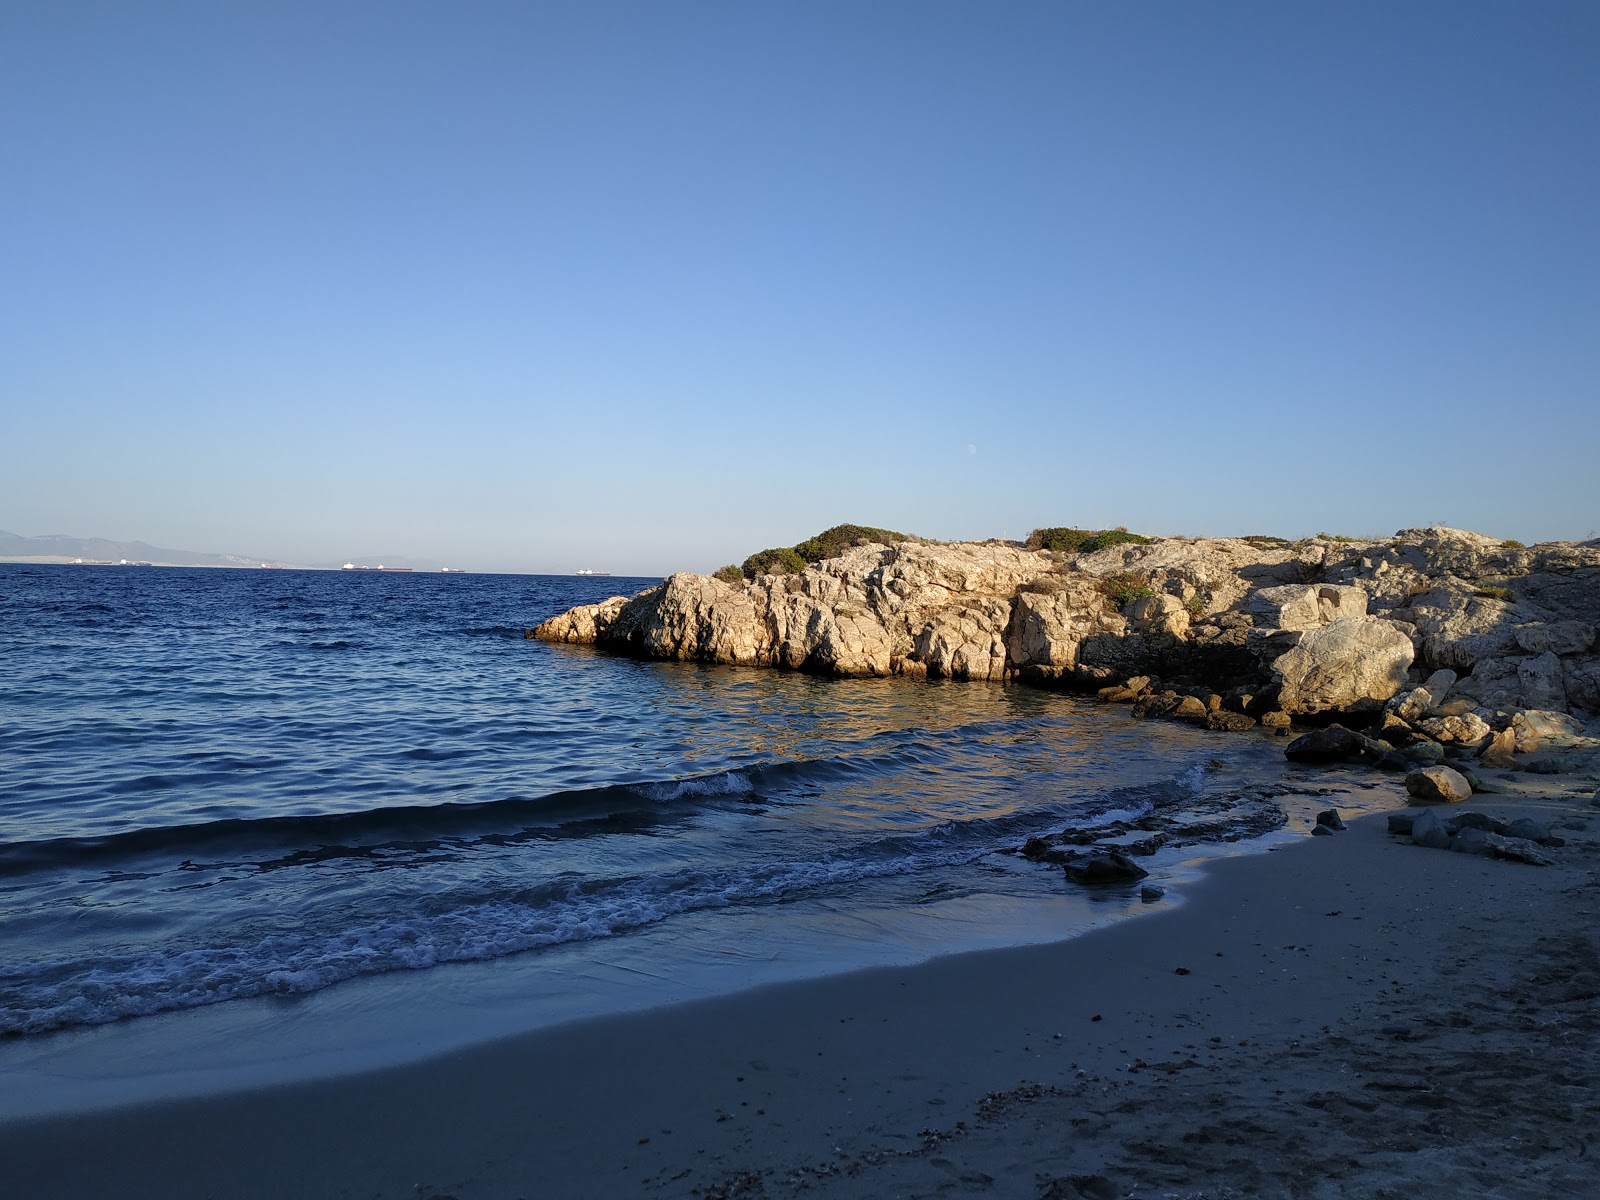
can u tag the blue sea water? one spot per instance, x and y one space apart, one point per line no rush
221 784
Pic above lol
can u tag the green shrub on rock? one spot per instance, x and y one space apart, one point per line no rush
1123 589
1059 538
831 543
1113 537
781 561
1495 592
1067 540
729 574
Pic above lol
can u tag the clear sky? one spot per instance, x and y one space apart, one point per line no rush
649 286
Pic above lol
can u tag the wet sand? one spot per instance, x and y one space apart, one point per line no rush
1344 1016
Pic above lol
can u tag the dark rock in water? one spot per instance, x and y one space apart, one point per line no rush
1229 722
1333 744
1321 831
1159 704
1329 818
1112 867
1150 893
1400 822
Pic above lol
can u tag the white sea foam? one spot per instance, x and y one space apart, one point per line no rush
49 995
724 783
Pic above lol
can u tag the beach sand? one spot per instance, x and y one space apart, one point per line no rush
1343 1016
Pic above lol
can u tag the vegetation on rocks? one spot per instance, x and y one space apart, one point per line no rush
1066 540
1123 589
830 543
729 574
780 561
1495 592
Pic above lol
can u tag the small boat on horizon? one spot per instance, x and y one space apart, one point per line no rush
587 571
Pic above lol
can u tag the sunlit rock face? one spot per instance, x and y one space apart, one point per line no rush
1324 626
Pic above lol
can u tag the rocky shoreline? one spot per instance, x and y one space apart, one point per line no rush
1436 636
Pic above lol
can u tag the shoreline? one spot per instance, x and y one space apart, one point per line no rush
917 1079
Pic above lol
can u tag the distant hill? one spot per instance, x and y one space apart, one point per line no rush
65 546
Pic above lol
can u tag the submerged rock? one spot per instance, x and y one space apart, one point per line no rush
1335 743
1110 867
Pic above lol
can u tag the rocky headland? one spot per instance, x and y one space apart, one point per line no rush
1434 639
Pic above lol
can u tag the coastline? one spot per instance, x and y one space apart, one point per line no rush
1354 1007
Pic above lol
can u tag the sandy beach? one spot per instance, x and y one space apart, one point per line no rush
1342 1016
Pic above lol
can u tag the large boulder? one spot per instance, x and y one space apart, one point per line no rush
1306 606
1555 637
965 641
1459 627
1438 785
1344 666
1050 620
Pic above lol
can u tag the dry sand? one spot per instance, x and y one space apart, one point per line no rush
1345 1016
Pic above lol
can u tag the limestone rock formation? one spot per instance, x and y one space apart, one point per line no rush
1456 631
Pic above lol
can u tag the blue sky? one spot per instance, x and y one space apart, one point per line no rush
652 286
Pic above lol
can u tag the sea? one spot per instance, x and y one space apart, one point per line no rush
270 823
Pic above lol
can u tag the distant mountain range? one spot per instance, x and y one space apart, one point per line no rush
65 546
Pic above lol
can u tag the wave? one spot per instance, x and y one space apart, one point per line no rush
41 996
358 832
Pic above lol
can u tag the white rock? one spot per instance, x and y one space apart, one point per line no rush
1339 666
